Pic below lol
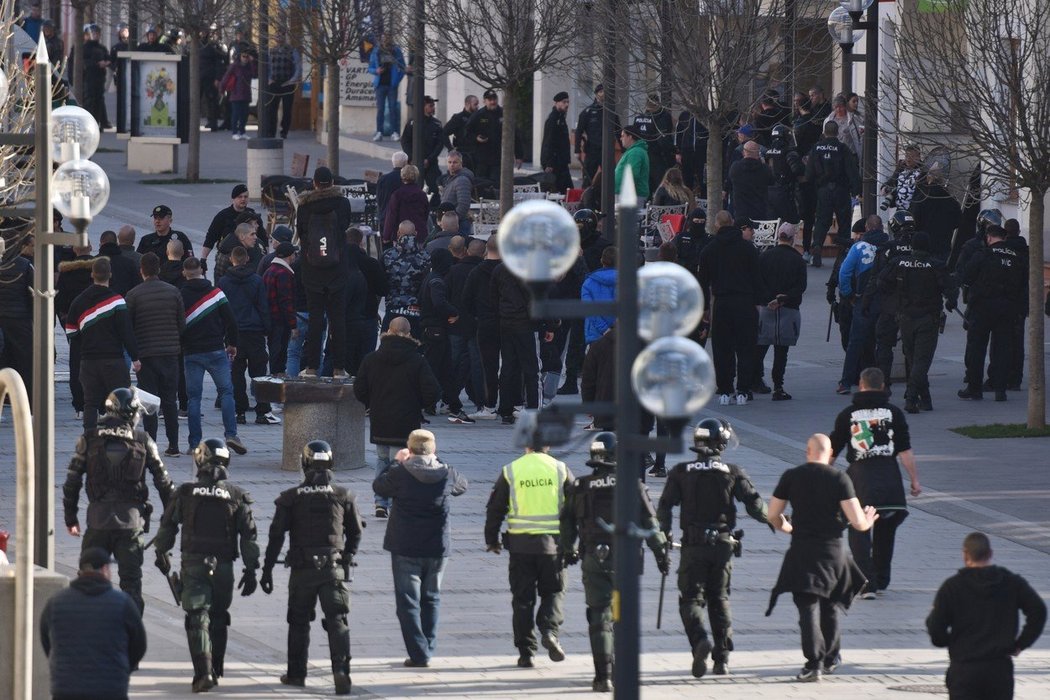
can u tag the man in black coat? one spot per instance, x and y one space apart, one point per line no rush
657 128
519 361
479 306
362 331
16 316
589 135
485 132
157 242
554 153
225 221
389 183
455 131
462 335
751 179
433 144
394 383
125 271
74 276
783 274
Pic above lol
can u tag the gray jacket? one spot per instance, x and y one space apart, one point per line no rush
457 191
158 318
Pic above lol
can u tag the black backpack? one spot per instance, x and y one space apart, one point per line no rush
325 247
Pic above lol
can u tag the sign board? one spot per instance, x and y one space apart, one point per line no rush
355 89
156 95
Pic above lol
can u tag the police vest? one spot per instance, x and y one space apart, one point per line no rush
595 498
707 498
317 522
116 463
208 526
536 494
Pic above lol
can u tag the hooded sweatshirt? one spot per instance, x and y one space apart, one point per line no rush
419 523
728 268
975 614
395 383
405 264
247 296
859 261
873 432
210 324
600 285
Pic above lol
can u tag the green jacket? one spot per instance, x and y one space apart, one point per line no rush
637 156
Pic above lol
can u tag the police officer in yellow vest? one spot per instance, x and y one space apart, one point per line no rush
529 493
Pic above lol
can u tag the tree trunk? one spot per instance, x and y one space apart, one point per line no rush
506 164
331 109
193 158
1036 322
714 169
77 76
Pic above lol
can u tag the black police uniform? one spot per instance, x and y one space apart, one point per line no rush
488 123
455 137
95 81
1015 361
883 302
114 456
158 245
787 168
705 489
555 153
657 128
998 285
691 141
589 138
324 529
918 283
587 499
433 144
217 524
832 169
212 67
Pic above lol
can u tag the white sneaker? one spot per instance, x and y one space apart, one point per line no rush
378 136
546 402
741 399
807 258
236 137
484 413
723 399
442 409
518 410
394 137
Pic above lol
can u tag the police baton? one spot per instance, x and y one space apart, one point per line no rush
663 586
831 318
175 584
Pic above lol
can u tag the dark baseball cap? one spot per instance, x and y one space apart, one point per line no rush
161 210
323 176
284 250
427 99
282 234
94 558
238 190
490 95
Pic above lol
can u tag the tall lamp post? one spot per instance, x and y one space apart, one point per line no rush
79 189
672 378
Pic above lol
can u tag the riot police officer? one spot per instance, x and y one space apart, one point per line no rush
114 455
987 217
589 135
217 522
529 493
587 500
705 489
592 242
787 167
832 169
882 301
917 282
324 529
998 285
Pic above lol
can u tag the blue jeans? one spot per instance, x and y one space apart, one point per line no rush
384 460
466 367
861 333
417 594
295 346
217 364
386 99
238 115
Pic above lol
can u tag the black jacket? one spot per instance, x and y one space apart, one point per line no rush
125 272
74 276
98 317
783 272
434 306
246 293
171 272
420 489
223 263
831 163
385 188
728 268
375 279
322 201
158 245
157 318
975 614
16 283
223 224
489 123
873 432
589 128
210 324
395 383
597 378
93 636
918 284
512 300
751 179
479 302
433 141
456 284
455 130
554 152
998 280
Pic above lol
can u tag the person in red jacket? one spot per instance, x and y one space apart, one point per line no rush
280 291
408 203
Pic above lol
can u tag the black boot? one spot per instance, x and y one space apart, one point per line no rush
218 649
602 682
203 681
570 387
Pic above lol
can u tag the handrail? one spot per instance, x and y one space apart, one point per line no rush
11 384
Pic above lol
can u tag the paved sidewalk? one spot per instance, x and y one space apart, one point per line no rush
995 485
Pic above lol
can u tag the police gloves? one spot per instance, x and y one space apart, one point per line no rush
266 582
569 556
494 548
831 296
347 562
663 563
164 562
247 583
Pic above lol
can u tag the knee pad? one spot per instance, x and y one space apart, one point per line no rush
221 619
195 620
330 624
300 617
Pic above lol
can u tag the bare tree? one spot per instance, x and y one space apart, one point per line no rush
193 18
503 44
329 31
736 47
986 77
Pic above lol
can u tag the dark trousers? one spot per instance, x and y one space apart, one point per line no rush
95 102
873 549
76 389
861 339
160 376
184 398
885 340
1015 368
577 349
520 366
487 164
431 175
488 347
807 211
438 352
466 367
693 163
277 347
98 377
591 162
307 587
283 97
832 200
209 102
126 548
361 338
919 342
780 360
330 304
981 680
704 578
16 351
251 357
207 593
562 178
734 336
532 575
818 621
992 324
598 587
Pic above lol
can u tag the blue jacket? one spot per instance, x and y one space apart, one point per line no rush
93 636
600 285
246 293
397 70
420 488
853 275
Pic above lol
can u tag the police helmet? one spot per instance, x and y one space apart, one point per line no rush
587 219
901 221
317 454
152 28
603 450
989 217
781 135
211 453
124 404
713 436
92 28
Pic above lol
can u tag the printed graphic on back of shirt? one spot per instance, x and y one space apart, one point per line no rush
871 432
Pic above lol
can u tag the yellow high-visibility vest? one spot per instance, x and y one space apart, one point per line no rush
536 494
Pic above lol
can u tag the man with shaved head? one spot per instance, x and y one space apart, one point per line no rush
750 179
